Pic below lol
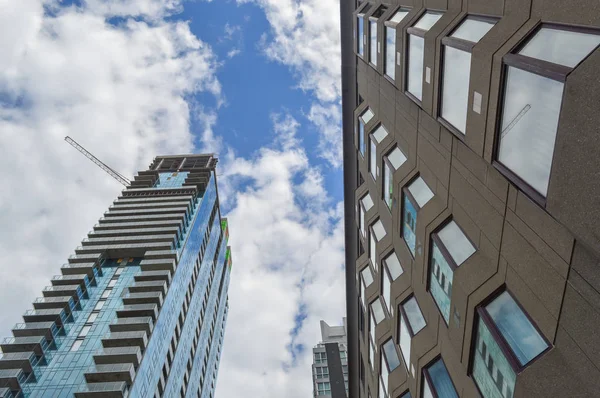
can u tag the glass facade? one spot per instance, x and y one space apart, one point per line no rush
137 326
438 380
409 224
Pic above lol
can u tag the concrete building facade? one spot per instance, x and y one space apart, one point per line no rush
471 147
140 309
330 363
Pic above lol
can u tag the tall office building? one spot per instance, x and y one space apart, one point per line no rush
471 148
330 363
140 309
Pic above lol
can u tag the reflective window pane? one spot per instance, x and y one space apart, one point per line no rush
406 395
361 32
414 315
396 158
373 159
373 42
380 133
367 115
491 370
399 16
455 87
386 287
391 356
388 186
529 123
373 251
427 21
440 281
473 30
84 331
361 137
367 276
420 191
456 242
520 334
377 310
442 383
379 230
393 265
404 341
367 202
416 52
409 224
560 46
390 52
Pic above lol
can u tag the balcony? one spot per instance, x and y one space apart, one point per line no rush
35 344
146 211
161 254
126 339
150 286
148 276
166 264
138 310
79 269
103 390
53 314
136 224
144 298
18 360
6 393
131 354
143 323
66 290
84 258
44 329
111 373
12 378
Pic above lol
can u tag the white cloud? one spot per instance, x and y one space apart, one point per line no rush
233 52
288 254
119 90
305 37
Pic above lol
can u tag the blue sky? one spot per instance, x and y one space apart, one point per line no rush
257 81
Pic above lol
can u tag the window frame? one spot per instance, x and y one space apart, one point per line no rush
406 193
538 67
466 46
394 25
390 169
482 315
427 377
447 256
373 157
412 30
402 314
387 306
375 20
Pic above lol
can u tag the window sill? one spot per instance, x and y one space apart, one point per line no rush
531 193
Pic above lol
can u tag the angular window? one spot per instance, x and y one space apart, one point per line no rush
391 163
364 206
376 137
377 311
373 251
392 264
410 322
457 50
388 363
363 120
450 248
437 382
533 89
506 342
389 68
323 389
416 195
378 230
405 395
386 289
416 52
373 44
360 30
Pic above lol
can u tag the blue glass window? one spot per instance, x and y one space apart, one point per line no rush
493 372
416 195
450 248
361 32
437 380
391 355
363 120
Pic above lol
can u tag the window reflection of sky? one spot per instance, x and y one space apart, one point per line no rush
529 123
560 46
416 46
455 88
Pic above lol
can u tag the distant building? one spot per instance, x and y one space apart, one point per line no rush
140 309
330 363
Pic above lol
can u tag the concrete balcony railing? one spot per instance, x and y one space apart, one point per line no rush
150 286
143 323
103 390
111 373
12 378
131 354
138 224
44 329
157 264
126 339
18 360
147 276
143 298
138 310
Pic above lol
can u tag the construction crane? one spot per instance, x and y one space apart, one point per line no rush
117 176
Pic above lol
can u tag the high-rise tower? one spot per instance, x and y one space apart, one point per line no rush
140 309
330 363
471 197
